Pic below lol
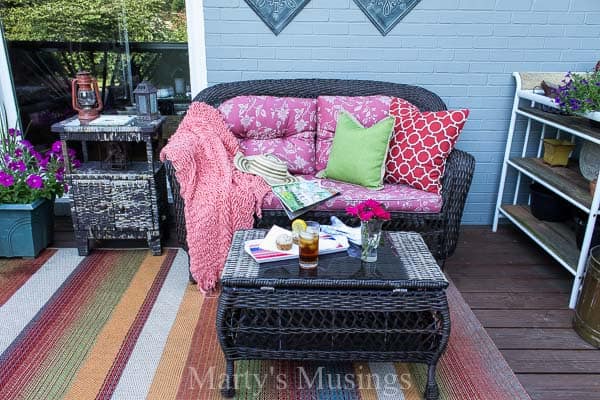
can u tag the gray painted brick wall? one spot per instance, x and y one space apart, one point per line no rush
463 50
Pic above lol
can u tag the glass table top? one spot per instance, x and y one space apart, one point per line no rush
404 261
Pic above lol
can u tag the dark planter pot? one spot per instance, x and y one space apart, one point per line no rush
547 206
26 229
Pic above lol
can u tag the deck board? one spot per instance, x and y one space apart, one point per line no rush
526 312
537 338
512 300
561 386
552 361
528 318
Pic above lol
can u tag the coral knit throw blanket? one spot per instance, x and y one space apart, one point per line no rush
218 198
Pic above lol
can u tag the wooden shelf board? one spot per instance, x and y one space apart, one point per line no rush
555 235
566 180
580 124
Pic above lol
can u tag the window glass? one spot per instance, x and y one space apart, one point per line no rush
120 42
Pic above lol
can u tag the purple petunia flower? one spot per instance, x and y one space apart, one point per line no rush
36 154
35 181
17 166
27 144
44 162
6 157
18 152
57 147
60 176
76 163
12 131
6 180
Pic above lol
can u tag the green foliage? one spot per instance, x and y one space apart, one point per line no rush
27 175
178 5
579 93
94 20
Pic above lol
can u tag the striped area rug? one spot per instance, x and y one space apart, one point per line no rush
123 324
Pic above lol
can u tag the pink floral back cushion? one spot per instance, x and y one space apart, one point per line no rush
282 126
395 197
368 110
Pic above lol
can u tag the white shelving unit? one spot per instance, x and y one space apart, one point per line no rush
557 239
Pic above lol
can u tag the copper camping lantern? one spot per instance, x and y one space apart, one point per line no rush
85 97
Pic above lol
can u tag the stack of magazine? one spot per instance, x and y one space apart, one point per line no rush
300 197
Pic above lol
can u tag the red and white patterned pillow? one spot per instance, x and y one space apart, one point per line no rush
420 144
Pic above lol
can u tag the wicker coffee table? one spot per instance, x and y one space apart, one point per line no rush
392 310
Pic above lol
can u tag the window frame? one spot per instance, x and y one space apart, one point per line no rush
7 89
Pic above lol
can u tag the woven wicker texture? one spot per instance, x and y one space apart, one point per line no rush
399 316
439 230
407 264
117 204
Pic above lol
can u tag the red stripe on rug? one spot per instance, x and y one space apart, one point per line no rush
116 370
205 359
15 272
30 349
471 349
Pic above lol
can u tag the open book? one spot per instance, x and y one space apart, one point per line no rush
300 197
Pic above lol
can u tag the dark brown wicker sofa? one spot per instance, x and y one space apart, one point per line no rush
440 230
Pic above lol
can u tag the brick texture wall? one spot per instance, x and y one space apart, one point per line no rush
463 50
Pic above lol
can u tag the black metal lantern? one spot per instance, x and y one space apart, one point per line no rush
146 101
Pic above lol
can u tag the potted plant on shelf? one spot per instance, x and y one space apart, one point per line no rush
580 94
29 182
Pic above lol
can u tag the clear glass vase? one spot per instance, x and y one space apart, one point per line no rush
370 232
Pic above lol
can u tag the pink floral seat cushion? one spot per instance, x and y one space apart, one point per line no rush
395 197
282 126
368 110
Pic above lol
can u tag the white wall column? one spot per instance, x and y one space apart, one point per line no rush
7 91
196 45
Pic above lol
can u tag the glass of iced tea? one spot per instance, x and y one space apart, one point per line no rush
308 242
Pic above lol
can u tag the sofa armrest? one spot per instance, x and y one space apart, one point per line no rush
178 204
456 182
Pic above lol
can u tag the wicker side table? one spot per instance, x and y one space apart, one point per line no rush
392 310
107 203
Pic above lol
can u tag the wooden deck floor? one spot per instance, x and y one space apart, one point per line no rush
521 297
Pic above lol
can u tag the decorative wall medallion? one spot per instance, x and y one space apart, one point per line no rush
385 14
276 14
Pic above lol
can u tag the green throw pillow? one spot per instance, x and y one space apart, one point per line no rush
358 154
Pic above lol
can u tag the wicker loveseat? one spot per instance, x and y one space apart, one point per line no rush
439 230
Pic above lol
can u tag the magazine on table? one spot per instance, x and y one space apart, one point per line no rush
300 197
265 250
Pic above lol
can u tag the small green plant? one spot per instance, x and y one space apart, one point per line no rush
26 174
579 93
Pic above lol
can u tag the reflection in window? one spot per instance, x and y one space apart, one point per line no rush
120 42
